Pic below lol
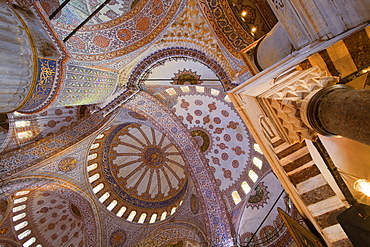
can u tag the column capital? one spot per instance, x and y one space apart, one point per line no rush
310 108
282 103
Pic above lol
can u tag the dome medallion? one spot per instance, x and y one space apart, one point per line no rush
137 168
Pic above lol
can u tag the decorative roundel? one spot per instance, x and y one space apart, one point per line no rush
202 137
67 164
136 168
186 77
117 238
198 112
259 196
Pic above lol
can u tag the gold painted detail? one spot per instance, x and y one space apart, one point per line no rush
192 28
67 164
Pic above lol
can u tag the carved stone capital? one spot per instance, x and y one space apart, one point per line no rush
284 103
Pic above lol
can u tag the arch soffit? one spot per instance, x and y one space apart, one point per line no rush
162 235
217 222
122 35
177 52
226 26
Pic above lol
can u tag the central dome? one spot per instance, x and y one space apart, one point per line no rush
140 169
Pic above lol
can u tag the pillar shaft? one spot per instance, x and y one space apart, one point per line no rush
18 60
346 112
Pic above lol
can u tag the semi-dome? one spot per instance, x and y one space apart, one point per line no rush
137 172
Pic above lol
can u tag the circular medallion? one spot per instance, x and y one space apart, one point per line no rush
67 164
117 238
202 138
143 24
124 34
101 41
153 156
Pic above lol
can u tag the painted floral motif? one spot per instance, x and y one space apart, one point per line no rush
217 120
235 163
212 106
184 104
222 146
232 125
238 150
227 173
189 118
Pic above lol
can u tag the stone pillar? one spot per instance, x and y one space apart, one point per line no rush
30 60
285 99
341 110
18 60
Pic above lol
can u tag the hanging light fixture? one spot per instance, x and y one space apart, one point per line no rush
362 185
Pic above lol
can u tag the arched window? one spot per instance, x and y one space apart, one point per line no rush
121 211
112 205
200 89
257 148
95 145
92 156
173 210
215 92
98 188
153 218
104 197
19 208
94 177
20 225
257 162
171 91
19 200
25 134
131 216
22 193
253 175
24 234
100 136
29 242
142 218
19 216
20 124
164 215
92 167
185 89
236 197
246 188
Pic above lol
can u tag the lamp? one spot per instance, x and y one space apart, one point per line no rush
362 185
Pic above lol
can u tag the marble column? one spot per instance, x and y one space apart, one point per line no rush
341 110
18 60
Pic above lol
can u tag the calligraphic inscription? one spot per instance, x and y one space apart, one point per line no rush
46 69
67 164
